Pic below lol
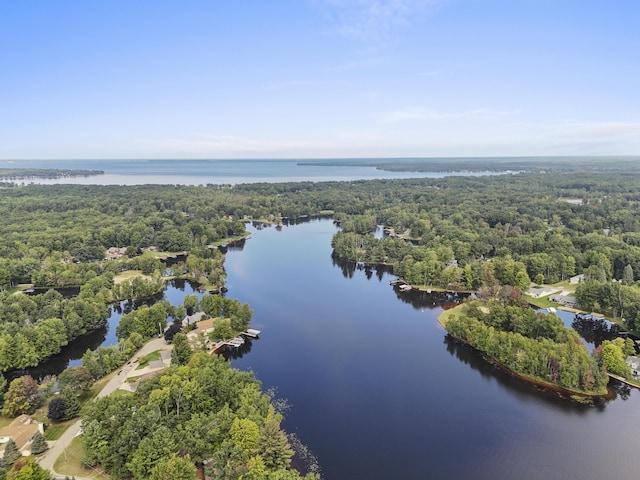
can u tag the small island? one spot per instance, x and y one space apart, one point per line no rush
531 345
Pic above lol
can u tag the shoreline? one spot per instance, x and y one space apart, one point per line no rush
531 380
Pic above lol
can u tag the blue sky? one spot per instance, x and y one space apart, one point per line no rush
318 78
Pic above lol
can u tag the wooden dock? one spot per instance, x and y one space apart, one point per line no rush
235 342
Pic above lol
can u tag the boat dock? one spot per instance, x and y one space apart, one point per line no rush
235 342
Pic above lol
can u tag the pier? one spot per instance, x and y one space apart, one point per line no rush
235 342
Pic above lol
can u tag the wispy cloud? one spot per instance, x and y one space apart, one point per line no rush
412 114
286 85
372 19
601 129
431 73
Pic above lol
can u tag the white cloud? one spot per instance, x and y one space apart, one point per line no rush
372 19
286 85
428 114
601 130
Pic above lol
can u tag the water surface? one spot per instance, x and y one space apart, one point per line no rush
379 393
214 172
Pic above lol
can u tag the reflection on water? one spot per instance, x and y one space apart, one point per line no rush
237 353
71 354
474 359
349 267
595 330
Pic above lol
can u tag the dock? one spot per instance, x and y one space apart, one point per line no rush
235 342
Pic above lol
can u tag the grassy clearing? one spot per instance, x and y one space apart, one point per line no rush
444 317
120 393
55 430
144 361
543 302
69 463
128 275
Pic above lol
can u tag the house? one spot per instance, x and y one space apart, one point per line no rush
115 252
565 300
540 292
21 430
575 280
634 365
203 326
193 319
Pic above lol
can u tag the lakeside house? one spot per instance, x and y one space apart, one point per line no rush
193 319
634 365
565 300
539 292
21 430
203 326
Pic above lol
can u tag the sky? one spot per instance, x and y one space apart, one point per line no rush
318 78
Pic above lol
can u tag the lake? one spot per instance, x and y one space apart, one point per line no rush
214 172
378 392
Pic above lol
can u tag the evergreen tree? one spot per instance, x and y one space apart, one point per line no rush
627 275
38 443
72 406
11 453
273 446
3 387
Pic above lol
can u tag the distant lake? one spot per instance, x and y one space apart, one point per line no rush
215 172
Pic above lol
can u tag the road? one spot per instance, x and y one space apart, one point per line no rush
58 446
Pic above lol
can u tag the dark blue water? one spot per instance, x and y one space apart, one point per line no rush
215 172
377 390
71 355
379 393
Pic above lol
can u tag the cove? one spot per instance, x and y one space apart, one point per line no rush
378 392
71 354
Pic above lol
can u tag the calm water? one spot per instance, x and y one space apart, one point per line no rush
378 392
220 172
71 354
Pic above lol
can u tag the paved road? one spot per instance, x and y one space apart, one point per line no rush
58 447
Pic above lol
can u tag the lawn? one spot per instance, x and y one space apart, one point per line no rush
444 317
128 275
69 463
543 302
144 361
55 430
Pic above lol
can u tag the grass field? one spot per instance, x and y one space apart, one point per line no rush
128 275
69 463
144 361
54 431
444 317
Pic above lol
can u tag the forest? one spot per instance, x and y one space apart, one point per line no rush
490 234
458 233
535 345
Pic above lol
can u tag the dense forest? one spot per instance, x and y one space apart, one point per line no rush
490 234
462 233
532 344
204 412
